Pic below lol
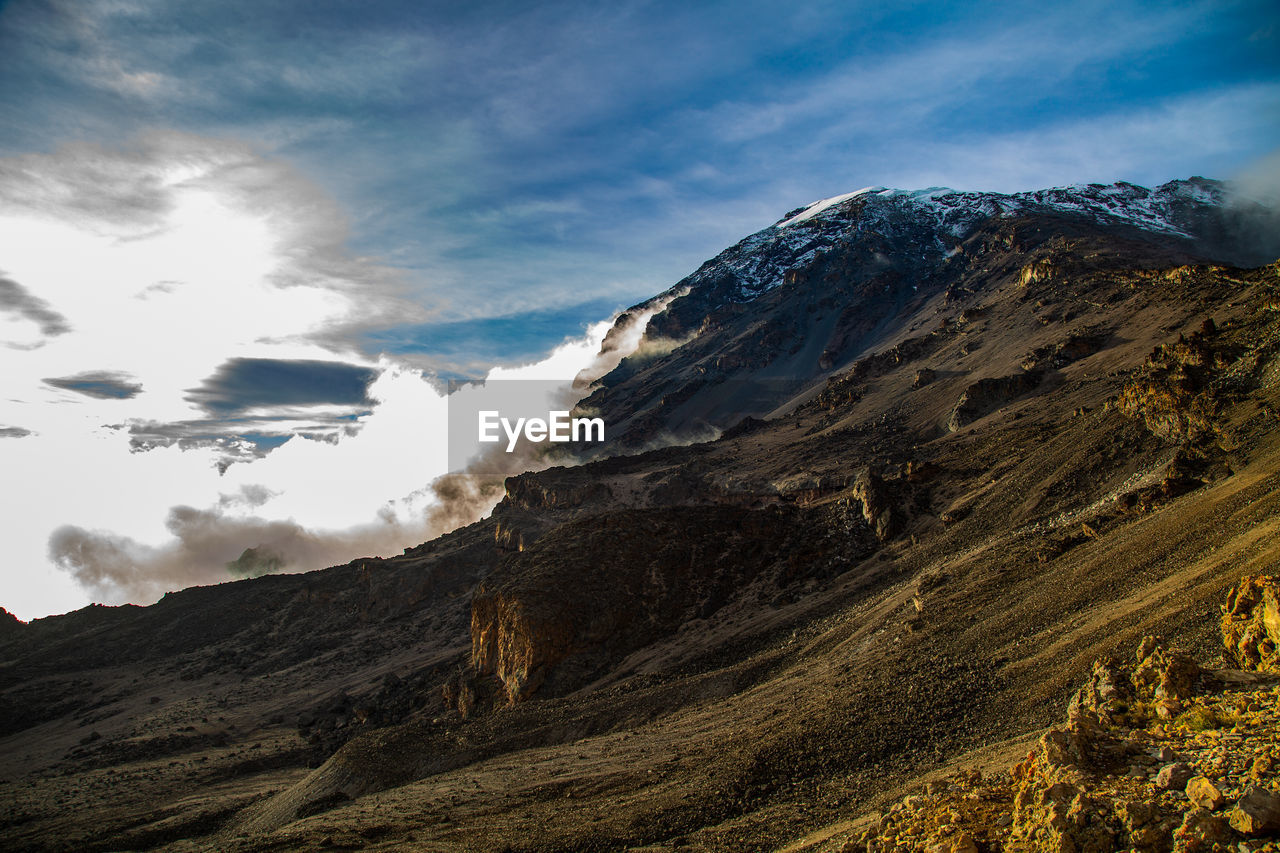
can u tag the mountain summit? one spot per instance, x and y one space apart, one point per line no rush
804 298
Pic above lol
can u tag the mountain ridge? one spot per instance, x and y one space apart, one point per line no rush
881 255
728 644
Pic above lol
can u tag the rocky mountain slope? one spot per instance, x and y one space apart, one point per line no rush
1157 754
957 447
808 296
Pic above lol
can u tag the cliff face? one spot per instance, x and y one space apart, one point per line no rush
594 590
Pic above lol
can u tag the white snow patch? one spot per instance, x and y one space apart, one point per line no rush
822 204
759 263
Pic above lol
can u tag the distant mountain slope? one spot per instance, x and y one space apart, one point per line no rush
827 283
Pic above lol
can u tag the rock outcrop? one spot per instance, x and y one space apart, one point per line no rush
987 395
10 625
636 576
1052 806
1073 348
877 505
1251 623
1160 757
1173 393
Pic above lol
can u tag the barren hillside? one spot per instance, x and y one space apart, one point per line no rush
935 481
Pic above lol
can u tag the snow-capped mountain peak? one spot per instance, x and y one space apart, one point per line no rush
935 219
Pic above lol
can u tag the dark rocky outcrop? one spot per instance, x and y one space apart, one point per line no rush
988 395
10 625
877 506
639 576
1074 347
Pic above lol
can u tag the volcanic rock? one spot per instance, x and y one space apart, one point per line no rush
1257 813
1251 623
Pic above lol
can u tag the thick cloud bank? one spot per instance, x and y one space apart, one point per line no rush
211 412
254 530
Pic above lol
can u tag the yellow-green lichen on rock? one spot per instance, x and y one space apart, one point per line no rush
1251 623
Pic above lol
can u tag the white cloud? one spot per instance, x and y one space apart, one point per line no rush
166 261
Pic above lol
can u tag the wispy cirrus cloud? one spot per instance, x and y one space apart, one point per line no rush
16 299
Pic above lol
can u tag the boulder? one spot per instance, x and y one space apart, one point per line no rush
877 506
1146 827
1257 813
1201 831
962 843
1174 777
1251 623
1203 793
1165 675
1107 694
1052 809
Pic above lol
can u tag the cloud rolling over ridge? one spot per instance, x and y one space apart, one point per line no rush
256 527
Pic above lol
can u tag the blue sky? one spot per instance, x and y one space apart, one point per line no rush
557 157
243 243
